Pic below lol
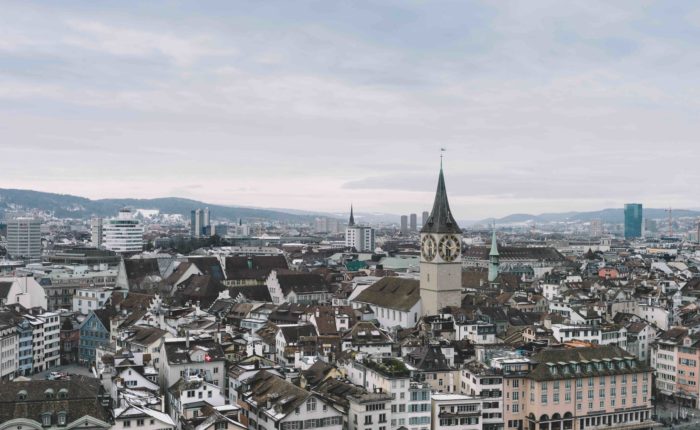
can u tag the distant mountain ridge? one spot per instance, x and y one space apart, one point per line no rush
70 206
610 215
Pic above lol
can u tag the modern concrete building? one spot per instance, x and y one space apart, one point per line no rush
123 233
413 222
404 224
96 232
24 238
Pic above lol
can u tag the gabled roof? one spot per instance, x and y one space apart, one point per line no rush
254 266
209 266
366 333
428 358
139 268
283 395
253 293
392 293
441 219
81 399
300 282
5 289
292 333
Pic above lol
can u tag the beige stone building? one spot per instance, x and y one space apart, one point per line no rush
578 389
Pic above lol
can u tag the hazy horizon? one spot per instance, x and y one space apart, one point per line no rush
543 106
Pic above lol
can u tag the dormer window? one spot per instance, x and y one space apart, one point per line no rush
62 393
46 420
61 418
48 394
22 395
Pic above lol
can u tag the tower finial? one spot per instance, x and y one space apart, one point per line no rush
441 151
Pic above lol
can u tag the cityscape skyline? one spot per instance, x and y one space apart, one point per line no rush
541 109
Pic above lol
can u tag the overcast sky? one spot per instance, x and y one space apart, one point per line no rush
542 105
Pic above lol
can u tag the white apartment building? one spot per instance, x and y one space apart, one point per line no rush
9 349
360 237
456 412
46 342
369 411
90 299
123 233
410 405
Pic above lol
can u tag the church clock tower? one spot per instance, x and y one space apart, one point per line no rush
441 256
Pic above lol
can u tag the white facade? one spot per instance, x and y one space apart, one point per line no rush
123 233
198 391
90 299
389 318
25 291
456 412
360 237
410 406
141 418
9 350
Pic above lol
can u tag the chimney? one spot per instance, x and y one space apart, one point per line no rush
187 339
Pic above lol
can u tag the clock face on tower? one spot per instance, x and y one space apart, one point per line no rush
429 248
449 247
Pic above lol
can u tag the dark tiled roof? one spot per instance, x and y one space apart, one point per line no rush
139 268
515 253
202 288
209 266
366 333
300 282
428 358
81 399
5 289
178 353
145 335
393 293
292 333
254 267
317 372
253 293
284 396
604 354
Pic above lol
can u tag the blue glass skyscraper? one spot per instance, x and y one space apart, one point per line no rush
633 220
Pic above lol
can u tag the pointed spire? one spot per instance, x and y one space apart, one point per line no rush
494 245
441 219
352 217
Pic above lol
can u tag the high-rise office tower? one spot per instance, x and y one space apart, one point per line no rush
96 231
414 222
596 228
404 224
633 220
424 218
24 238
207 220
123 233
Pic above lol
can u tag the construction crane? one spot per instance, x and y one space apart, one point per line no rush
670 222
